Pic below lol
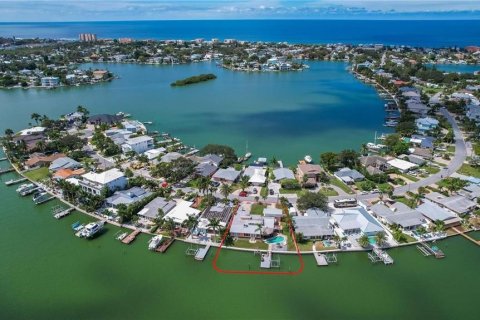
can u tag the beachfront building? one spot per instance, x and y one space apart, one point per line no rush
434 212
151 210
309 174
398 214
108 119
356 221
138 144
50 82
282 174
182 211
229 175
126 197
94 183
402 165
349 176
171 156
426 124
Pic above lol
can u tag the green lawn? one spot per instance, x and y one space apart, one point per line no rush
243 243
468 170
431 170
476 148
409 177
257 209
294 191
329 192
37 174
264 192
334 181
404 200
384 187
451 149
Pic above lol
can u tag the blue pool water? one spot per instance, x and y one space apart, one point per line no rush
277 239
372 240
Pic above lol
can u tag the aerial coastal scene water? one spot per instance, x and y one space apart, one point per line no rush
221 170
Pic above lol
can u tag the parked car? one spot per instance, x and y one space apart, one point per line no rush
271 192
215 183
243 194
255 191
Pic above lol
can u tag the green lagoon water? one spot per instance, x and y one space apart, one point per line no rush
287 115
48 273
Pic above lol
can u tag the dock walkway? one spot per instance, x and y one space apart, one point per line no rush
59 213
129 239
378 255
321 259
202 253
466 236
12 182
165 245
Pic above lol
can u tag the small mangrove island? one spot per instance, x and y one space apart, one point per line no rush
194 79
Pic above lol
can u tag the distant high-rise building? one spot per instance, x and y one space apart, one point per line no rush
88 37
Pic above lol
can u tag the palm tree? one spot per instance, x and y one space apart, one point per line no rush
337 239
41 145
244 182
9 133
36 117
363 149
363 241
203 184
169 225
259 228
416 197
380 238
214 224
226 189
439 225
191 222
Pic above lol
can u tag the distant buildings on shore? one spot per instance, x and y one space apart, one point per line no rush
87 37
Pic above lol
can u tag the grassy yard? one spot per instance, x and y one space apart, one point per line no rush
404 200
37 174
451 149
468 170
257 209
329 192
476 148
334 181
298 192
431 170
243 243
409 177
264 192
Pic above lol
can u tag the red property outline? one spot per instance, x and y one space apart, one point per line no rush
284 273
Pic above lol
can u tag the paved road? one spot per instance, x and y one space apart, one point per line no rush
453 166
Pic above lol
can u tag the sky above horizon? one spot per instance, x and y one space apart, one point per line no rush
110 10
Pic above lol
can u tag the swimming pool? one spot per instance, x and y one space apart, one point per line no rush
372 240
276 239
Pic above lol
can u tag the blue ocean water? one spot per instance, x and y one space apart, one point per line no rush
426 33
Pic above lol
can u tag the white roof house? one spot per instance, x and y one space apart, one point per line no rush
226 175
93 182
402 165
257 175
154 153
34 130
283 173
357 221
182 211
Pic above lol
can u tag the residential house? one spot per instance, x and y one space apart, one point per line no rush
245 225
422 153
402 165
64 174
138 144
356 221
256 175
434 212
154 153
127 197
37 160
30 140
374 164
107 119
426 124
313 227
50 82
398 214
207 165
473 112
221 212
229 175
349 176
283 173
94 183
64 163
424 142
171 156
309 174
456 203
151 209
180 213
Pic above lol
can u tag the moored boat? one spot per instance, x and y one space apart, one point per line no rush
92 229
308 158
154 242
41 197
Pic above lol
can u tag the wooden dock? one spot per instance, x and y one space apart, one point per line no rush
6 170
321 259
59 213
427 250
165 245
379 255
129 239
202 253
466 236
12 182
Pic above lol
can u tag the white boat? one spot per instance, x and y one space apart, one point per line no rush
308 159
24 187
147 122
41 197
375 147
154 242
91 229
247 155
122 236
391 123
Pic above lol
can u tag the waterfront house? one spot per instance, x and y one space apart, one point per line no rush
256 175
417 107
31 140
50 82
94 183
245 225
356 221
205 169
424 142
471 191
138 144
37 160
221 212
313 227
171 156
426 124
154 153
414 159
180 213
456 203
473 112
150 210
228 175
398 214
424 153
100 74
209 158
349 176
276 214
64 163
32 131
374 164
108 119
126 197
283 173
434 212
309 174
402 165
